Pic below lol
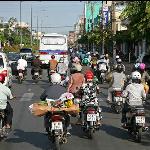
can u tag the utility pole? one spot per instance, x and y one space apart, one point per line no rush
37 32
92 10
103 19
20 27
31 26
113 28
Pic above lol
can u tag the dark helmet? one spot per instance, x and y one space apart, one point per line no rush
85 61
2 78
53 56
119 68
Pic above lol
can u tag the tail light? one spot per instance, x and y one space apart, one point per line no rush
43 53
118 93
64 53
62 77
5 73
91 110
56 118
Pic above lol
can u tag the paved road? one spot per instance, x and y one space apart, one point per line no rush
28 131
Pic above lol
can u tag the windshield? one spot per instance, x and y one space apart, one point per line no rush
25 50
13 57
53 40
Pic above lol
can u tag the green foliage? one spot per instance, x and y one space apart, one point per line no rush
138 13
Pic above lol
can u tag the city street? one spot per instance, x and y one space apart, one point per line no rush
28 131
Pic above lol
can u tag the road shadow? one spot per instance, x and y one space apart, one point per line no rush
106 109
115 131
37 139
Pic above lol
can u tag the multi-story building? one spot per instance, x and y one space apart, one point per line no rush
71 38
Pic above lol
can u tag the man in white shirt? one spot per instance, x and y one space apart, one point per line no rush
22 64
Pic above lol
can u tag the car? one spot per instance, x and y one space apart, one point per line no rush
13 59
28 53
5 69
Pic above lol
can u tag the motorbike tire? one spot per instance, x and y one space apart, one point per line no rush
19 80
118 109
90 134
57 143
139 135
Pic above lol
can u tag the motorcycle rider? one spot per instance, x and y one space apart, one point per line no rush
36 64
102 65
144 76
76 63
119 62
54 91
85 66
52 64
90 85
117 80
94 60
22 64
4 104
135 93
62 67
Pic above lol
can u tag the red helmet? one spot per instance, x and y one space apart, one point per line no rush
89 75
53 56
2 78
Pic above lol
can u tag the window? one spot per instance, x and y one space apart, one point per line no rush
53 40
25 50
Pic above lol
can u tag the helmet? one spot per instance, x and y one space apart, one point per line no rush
117 57
61 59
106 55
142 66
53 56
85 61
136 75
137 65
2 78
76 59
89 75
24 57
119 60
55 78
102 57
119 68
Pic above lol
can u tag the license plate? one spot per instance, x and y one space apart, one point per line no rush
140 119
20 74
57 126
36 73
91 117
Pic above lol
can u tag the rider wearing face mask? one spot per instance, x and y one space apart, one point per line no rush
135 93
6 94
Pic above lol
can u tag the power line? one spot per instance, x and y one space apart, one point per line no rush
56 27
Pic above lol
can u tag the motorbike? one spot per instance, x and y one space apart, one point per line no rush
2 118
36 75
50 73
136 122
90 112
117 100
20 76
57 132
102 74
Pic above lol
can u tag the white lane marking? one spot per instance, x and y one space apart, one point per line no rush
27 97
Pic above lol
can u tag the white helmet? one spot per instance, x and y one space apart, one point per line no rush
136 75
55 78
117 57
119 60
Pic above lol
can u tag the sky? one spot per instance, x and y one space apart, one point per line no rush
50 13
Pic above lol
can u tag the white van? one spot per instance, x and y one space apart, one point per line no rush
5 69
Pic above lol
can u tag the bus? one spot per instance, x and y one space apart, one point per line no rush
53 44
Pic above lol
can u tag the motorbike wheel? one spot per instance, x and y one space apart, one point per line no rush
57 143
139 135
118 109
90 134
19 80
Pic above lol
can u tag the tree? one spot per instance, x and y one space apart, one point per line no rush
138 14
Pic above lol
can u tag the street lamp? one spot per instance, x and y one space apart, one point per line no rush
31 27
